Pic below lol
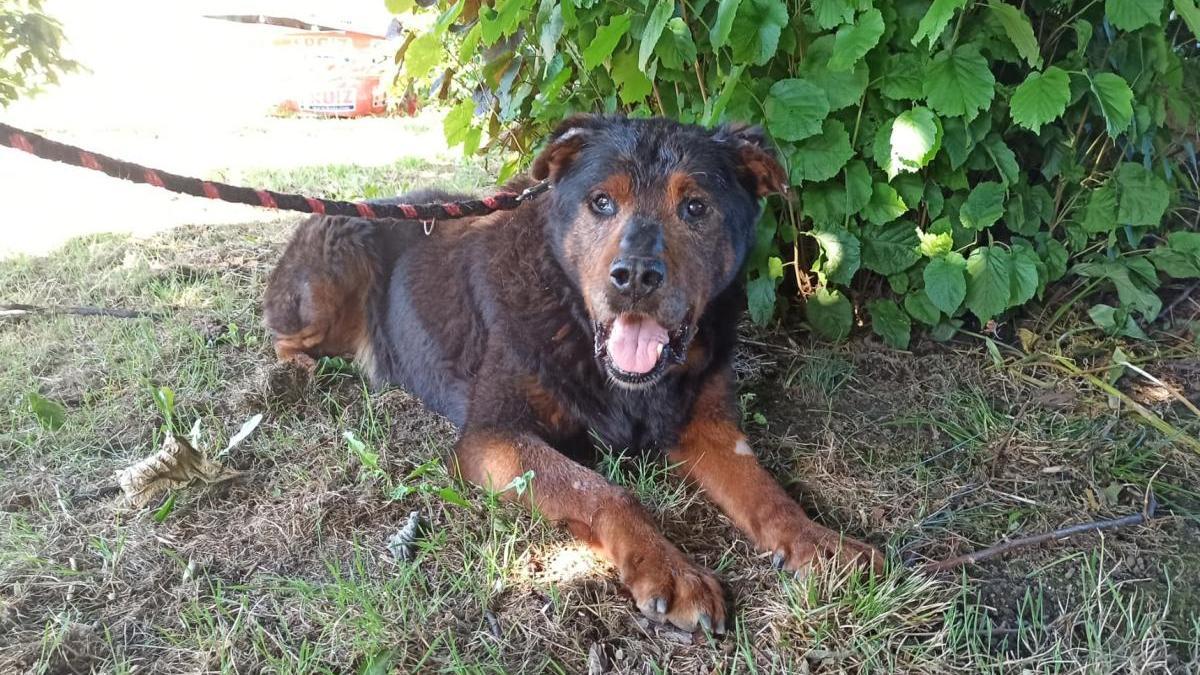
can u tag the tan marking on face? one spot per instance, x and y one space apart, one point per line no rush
595 241
680 186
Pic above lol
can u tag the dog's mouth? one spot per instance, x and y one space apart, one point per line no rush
637 350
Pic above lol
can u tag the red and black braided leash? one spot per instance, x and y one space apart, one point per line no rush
45 148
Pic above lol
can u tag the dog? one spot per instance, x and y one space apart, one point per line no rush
606 306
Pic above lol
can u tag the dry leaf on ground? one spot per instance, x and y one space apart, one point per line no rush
176 465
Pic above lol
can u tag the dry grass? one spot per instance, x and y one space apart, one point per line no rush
929 453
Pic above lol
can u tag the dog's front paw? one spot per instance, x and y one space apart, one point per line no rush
669 588
798 544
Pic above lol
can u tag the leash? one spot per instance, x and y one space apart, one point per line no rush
40 146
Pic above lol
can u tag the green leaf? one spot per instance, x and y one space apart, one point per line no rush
398 6
164 400
601 47
858 187
775 267
984 206
829 314
653 31
821 157
945 283
832 13
921 308
885 206
162 512
676 49
1144 196
988 282
1179 258
716 108
843 88
1055 256
754 37
890 249
935 244
1100 214
1003 157
903 79
1190 13
551 31
795 109
1018 29
718 35
495 22
1115 321
451 496
852 42
760 295
1023 275
959 82
50 414
1041 98
915 139
422 55
632 83
840 253
957 141
1116 101
1133 14
935 20
1131 291
890 322
911 188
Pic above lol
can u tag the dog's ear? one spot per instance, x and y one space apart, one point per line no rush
756 161
563 147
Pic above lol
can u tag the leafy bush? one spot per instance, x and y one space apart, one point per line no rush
30 44
950 158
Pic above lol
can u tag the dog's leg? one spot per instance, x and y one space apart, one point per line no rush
714 454
317 296
665 584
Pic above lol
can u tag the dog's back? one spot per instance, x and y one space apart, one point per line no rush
319 296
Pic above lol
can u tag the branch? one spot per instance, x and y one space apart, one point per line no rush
16 310
1144 516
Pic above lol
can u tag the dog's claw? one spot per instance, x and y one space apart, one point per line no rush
778 559
721 627
706 622
660 605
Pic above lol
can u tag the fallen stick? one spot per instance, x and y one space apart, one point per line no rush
1144 516
25 310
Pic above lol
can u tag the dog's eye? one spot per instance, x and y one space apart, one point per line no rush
603 204
696 208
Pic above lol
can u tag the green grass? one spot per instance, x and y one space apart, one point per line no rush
286 569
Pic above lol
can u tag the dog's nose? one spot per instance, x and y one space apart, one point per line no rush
636 276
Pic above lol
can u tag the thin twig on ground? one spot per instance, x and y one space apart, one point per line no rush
1145 515
17 310
1186 294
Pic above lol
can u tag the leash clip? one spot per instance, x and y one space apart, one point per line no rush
428 225
534 190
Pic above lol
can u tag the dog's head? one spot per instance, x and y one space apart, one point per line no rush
652 220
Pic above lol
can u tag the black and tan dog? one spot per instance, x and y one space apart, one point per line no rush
607 305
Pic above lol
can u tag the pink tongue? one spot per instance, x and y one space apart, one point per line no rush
634 341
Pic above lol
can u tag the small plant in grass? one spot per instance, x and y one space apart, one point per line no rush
950 159
50 414
749 414
418 481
